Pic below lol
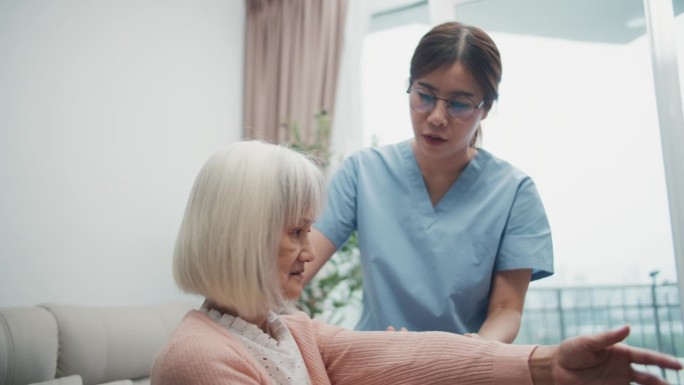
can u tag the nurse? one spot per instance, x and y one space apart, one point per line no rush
450 236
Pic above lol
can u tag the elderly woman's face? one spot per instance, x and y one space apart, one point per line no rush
294 251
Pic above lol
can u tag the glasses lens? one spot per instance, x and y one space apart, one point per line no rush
460 108
421 101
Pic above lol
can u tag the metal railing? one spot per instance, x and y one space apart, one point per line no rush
652 311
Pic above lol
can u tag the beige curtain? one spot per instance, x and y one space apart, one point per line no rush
293 51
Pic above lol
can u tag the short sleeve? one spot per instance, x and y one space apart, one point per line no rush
526 241
339 219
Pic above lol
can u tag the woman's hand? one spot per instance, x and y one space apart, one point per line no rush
597 359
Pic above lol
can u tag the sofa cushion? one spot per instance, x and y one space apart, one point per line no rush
104 344
70 380
28 345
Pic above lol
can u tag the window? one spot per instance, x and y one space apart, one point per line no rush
576 112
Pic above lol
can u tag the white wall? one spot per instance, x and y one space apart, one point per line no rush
107 111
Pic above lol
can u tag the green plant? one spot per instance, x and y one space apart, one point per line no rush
338 284
319 146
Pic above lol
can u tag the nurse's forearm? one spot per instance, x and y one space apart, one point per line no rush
502 325
506 303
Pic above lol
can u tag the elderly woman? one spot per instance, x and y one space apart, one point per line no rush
243 245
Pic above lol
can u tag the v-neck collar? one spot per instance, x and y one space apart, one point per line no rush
456 190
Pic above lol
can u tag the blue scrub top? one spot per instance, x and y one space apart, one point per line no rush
430 268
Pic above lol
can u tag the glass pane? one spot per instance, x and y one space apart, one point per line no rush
577 112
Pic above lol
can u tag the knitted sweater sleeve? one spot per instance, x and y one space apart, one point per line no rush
201 353
378 358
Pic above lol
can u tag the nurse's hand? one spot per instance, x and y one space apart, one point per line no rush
392 329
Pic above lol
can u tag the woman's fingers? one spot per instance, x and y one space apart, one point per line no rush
649 357
644 378
611 337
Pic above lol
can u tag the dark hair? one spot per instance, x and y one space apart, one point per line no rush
453 42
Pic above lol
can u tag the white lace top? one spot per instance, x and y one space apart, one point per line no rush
280 356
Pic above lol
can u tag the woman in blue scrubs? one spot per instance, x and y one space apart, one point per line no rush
450 236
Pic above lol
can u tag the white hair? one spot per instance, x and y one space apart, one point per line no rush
242 198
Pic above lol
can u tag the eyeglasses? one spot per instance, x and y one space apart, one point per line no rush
458 107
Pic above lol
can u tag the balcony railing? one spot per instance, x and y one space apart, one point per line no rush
652 311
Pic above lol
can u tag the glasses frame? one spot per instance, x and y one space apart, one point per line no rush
447 102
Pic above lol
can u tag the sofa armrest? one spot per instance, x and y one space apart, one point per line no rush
28 345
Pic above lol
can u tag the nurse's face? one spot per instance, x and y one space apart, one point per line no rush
446 109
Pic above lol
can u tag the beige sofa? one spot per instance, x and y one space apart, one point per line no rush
60 344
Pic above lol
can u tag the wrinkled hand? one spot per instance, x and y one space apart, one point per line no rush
601 359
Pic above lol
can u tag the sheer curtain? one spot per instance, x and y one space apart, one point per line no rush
292 60
347 123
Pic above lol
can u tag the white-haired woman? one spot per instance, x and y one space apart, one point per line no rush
243 245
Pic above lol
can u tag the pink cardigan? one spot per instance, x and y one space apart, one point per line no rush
202 352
